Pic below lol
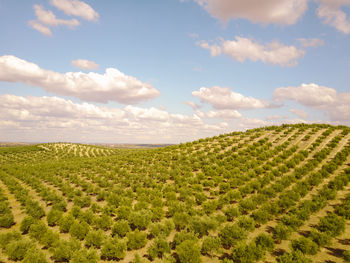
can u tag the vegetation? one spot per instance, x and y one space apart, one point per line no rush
278 193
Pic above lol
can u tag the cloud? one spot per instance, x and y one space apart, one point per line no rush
331 13
242 49
39 27
224 114
192 104
299 113
76 8
311 42
224 98
113 85
334 104
46 18
84 64
57 119
281 12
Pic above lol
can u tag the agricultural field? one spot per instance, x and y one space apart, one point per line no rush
272 194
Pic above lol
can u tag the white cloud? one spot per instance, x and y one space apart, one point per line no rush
243 49
58 119
311 42
335 105
307 94
192 104
299 113
224 98
39 27
331 13
76 8
84 64
281 12
113 85
46 18
224 114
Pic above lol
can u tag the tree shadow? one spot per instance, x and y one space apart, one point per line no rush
278 252
336 252
304 233
345 242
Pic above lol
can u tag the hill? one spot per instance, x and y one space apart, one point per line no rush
278 193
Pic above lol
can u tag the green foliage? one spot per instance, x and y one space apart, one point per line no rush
158 248
293 257
85 256
65 223
136 239
17 249
247 253
332 224
79 229
64 250
346 256
265 242
210 245
140 219
113 249
95 238
305 245
231 234
121 228
53 217
34 256
26 223
189 252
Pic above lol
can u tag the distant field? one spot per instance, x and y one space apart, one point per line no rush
273 194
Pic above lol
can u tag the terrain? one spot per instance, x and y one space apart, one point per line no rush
272 194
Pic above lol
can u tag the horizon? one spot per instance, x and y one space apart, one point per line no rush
168 72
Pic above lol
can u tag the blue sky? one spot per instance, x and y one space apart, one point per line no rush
169 71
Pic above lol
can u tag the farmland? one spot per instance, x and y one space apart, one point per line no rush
279 193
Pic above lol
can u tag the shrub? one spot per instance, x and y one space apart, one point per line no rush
6 219
189 252
94 238
305 245
346 255
281 232
37 230
264 241
158 248
231 213
50 239
64 249
247 253
136 239
210 245
26 223
120 228
113 249
17 249
79 229
231 234
34 256
332 224
140 219
85 256
53 217
292 257
65 223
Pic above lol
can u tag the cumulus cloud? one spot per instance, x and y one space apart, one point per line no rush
76 8
224 114
42 118
242 49
84 64
299 113
113 85
224 98
332 14
46 18
311 42
281 12
336 105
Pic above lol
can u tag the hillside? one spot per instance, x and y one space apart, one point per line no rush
268 194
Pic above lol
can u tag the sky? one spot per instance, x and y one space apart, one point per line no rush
129 71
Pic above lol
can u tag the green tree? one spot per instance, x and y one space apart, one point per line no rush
17 249
231 234
34 256
85 256
189 251
210 245
53 217
79 229
120 228
95 238
158 248
305 245
136 239
113 249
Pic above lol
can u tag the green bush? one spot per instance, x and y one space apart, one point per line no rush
210 245
136 239
121 228
85 256
53 217
79 230
34 256
305 245
332 224
265 242
26 223
189 251
113 249
346 255
95 238
158 248
231 234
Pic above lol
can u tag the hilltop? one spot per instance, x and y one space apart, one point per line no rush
279 193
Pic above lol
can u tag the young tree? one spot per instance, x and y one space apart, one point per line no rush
210 245
189 251
231 234
158 248
136 239
121 228
113 249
